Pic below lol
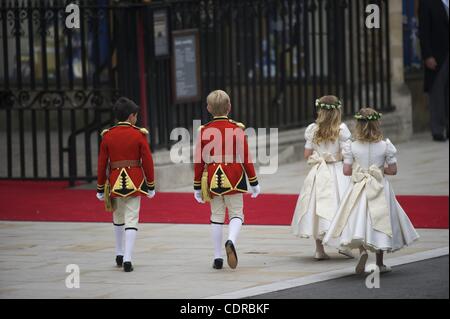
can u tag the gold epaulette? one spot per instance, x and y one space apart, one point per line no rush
239 124
104 132
143 130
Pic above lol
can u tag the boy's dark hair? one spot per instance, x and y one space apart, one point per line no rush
124 107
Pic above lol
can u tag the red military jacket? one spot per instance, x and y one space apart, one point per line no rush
223 149
125 153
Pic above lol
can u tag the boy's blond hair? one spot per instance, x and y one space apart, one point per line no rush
328 121
219 103
368 130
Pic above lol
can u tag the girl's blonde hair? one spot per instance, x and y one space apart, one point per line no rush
368 130
328 120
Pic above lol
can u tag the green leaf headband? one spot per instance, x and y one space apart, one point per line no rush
372 117
327 106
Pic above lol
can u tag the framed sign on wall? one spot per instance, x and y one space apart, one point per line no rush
186 66
161 33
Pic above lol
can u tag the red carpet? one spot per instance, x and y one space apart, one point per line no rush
53 201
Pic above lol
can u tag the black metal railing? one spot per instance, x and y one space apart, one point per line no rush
57 88
274 57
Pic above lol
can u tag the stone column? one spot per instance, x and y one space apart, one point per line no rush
396 36
398 124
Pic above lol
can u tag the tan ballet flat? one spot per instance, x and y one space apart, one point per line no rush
347 253
385 269
321 256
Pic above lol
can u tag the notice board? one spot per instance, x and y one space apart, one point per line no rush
186 66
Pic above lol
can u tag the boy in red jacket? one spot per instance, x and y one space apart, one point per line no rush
125 154
222 151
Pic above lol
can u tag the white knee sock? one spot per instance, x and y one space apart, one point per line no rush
119 232
233 229
130 238
217 235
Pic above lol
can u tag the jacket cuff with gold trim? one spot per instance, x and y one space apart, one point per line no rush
253 181
150 186
100 188
197 185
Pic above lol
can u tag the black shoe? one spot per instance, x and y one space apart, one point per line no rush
127 266
119 260
218 263
232 258
439 138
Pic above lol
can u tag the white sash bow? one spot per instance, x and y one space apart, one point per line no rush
324 188
372 181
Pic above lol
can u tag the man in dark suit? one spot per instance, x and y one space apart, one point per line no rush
434 35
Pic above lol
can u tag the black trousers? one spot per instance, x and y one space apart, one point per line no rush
438 102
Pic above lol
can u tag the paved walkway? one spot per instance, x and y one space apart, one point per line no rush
171 261
174 261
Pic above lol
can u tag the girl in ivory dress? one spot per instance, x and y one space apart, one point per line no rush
325 185
369 216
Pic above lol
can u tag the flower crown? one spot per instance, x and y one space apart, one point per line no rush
371 117
328 106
